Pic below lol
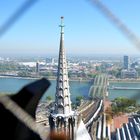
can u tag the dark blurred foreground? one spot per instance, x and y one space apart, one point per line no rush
17 114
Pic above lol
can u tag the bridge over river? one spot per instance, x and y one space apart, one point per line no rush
92 110
99 87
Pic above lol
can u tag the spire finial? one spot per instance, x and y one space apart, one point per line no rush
62 25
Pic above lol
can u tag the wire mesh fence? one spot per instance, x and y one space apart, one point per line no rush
25 7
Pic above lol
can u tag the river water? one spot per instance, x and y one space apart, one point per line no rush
13 85
132 94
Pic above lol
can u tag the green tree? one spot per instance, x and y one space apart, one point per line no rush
98 68
115 72
78 100
92 75
122 104
24 74
48 98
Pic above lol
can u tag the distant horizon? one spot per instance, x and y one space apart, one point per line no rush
91 55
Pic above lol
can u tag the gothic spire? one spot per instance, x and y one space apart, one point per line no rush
62 96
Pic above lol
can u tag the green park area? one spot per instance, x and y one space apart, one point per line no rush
122 105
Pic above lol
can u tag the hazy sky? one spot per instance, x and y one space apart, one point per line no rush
87 31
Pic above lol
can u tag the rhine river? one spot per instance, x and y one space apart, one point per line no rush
13 85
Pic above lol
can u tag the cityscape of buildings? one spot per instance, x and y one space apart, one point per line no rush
81 68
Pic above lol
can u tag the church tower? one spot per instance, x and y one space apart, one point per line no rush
63 119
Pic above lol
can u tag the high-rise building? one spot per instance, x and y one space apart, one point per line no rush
52 61
126 62
37 67
127 71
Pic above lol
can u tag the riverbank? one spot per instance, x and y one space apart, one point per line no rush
17 77
124 80
78 79
35 78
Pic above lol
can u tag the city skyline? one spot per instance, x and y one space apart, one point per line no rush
87 31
